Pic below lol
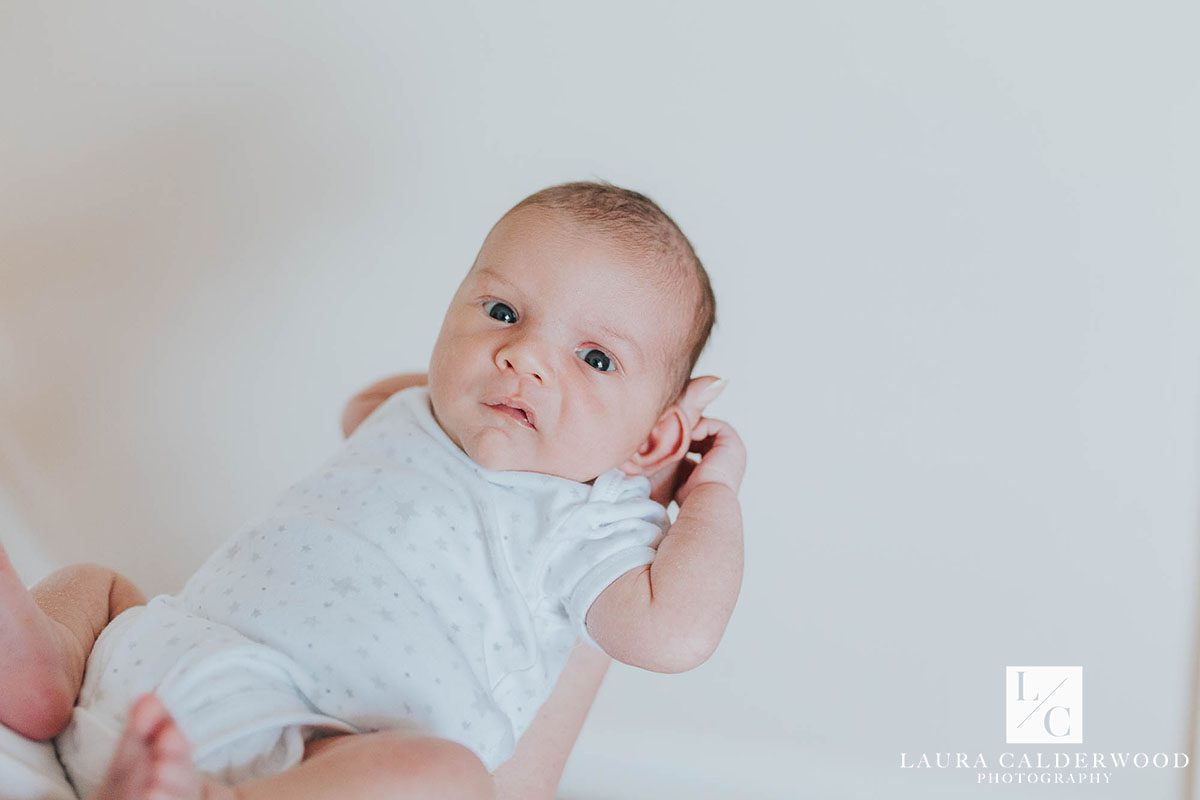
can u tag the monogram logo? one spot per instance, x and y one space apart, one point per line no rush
1044 705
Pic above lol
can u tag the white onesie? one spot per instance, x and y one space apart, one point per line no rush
402 586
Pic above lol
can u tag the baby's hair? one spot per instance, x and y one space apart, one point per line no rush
639 224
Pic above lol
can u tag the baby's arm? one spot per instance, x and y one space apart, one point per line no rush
670 615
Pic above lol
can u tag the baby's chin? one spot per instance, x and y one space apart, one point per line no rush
493 450
497 459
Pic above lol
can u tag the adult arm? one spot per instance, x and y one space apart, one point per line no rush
536 767
366 401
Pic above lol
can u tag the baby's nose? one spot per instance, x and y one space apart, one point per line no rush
525 358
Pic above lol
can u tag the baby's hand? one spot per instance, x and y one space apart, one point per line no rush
723 456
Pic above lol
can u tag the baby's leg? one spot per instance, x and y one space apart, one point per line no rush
385 764
152 761
46 634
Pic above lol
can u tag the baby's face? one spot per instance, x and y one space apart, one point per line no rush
556 318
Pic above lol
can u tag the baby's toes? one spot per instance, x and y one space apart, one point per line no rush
174 774
146 715
174 783
170 745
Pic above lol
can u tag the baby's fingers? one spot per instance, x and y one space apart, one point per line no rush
682 474
712 432
722 456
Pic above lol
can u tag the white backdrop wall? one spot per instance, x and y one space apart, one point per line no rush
955 253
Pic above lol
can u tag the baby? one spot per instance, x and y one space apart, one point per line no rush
423 589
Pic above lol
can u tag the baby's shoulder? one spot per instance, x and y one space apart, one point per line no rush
613 498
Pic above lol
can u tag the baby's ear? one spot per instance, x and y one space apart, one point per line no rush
667 443
671 437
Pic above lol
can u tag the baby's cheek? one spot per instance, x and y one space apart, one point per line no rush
583 450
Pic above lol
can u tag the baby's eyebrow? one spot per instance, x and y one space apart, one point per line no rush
491 273
615 334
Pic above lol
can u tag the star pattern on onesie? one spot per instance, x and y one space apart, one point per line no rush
402 585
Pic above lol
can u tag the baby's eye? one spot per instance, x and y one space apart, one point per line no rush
597 359
501 311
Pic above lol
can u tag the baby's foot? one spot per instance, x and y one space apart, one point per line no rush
36 693
153 761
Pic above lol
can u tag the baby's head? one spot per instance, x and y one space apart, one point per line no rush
588 308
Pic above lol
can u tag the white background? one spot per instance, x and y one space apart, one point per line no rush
955 252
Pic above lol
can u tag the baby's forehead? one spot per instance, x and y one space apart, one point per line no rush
537 243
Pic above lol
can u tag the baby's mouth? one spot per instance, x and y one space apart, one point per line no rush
519 414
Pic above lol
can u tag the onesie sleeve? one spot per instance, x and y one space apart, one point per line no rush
601 541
